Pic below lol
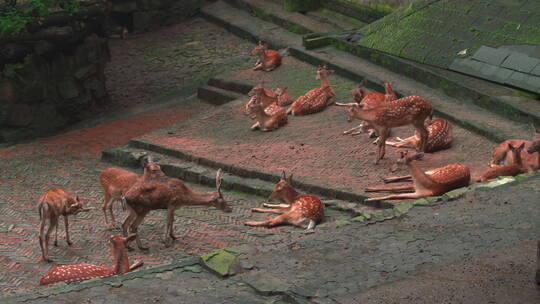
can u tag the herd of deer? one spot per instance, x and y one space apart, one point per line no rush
380 112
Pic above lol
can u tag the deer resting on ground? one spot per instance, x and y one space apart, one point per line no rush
530 155
512 169
51 205
267 98
430 183
284 99
170 195
115 182
302 210
268 59
316 99
439 137
400 112
82 272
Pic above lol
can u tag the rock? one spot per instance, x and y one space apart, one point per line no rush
265 284
124 7
20 115
84 71
220 262
68 89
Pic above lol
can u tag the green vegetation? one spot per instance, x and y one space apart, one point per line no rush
15 16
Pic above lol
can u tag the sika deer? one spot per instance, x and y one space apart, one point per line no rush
316 99
268 59
82 272
284 99
266 97
371 100
265 122
530 154
512 169
115 182
400 112
51 205
171 195
304 210
433 182
439 137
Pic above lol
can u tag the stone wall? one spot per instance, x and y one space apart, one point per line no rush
51 74
145 15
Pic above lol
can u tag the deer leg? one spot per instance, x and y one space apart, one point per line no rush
66 223
105 203
53 222
56 234
128 221
169 236
398 196
267 205
278 210
311 225
135 226
353 129
383 135
391 189
255 126
135 265
278 220
396 179
421 128
42 240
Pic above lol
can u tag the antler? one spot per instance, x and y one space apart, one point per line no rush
219 179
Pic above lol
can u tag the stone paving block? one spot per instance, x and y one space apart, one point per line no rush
520 62
536 70
491 55
523 80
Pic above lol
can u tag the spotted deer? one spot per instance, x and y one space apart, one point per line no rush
51 205
268 99
115 182
284 99
268 59
82 272
170 195
512 169
439 137
371 99
265 122
411 110
316 99
530 155
302 210
429 183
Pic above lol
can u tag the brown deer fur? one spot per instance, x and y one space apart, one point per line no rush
530 155
268 59
303 211
51 205
171 195
265 122
439 136
316 99
512 169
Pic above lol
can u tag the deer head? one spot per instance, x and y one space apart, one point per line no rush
216 198
280 91
253 106
259 48
258 89
535 147
152 170
358 93
323 72
74 205
282 189
118 246
516 151
405 159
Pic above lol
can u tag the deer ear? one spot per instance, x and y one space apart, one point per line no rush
521 146
511 146
130 238
283 176
289 180
77 198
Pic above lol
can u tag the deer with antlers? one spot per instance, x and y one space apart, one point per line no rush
429 183
410 110
530 155
268 59
82 272
51 205
316 99
512 169
302 210
115 182
170 195
371 99
439 137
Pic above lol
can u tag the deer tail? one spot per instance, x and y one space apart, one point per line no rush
43 208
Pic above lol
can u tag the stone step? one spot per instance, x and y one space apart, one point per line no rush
215 95
195 172
467 115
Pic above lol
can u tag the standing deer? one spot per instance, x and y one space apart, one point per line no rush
430 183
512 169
371 99
51 205
268 59
316 99
302 210
284 99
115 182
171 195
530 154
265 122
400 112
266 97
439 137
82 272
